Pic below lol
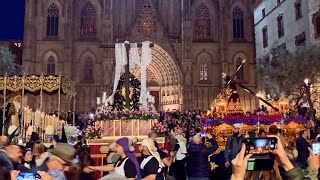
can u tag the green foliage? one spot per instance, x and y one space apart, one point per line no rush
285 71
7 64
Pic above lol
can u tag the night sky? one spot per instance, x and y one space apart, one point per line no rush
11 20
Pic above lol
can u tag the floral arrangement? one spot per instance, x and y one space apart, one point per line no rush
72 132
93 132
158 128
253 120
127 115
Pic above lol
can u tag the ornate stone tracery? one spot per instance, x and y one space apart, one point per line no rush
53 20
147 21
88 21
238 23
202 24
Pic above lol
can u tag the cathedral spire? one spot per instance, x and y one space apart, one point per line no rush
147 18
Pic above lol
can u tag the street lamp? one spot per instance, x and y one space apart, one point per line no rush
306 81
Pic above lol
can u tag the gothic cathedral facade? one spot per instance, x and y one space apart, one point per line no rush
195 42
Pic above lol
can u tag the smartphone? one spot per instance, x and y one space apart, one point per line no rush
203 135
28 176
261 150
315 148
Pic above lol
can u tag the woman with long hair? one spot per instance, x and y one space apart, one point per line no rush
39 153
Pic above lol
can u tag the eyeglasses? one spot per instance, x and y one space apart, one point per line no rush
62 163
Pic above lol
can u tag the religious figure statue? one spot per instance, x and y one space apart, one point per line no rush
17 106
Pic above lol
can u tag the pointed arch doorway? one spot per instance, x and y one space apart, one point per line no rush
163 79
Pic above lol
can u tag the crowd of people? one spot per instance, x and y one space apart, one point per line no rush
184 155
55 161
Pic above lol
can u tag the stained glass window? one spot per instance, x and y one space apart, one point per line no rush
240 74
203 72
51 66
53 20
88 21
202 23
88 68
238 28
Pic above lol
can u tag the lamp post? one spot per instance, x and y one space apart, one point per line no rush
307 91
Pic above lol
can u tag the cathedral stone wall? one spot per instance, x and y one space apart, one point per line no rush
196 40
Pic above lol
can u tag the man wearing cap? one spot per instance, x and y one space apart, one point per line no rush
59 164
127 166
233 146
61 158
151 164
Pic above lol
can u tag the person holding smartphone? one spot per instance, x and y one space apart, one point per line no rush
198 166
287 170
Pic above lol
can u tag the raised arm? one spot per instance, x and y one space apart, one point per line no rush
213 148
108 168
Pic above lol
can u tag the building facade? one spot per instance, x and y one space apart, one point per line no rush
195 41
281 23
314 21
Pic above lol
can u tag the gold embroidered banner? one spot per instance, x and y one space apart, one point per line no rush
33 83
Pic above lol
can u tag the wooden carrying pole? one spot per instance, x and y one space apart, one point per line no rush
41 92
22 122
59 97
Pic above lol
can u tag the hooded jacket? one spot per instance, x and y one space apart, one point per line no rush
197 162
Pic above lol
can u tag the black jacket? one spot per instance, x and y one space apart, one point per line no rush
303 152
197 162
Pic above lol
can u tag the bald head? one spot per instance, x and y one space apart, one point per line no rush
14 153
3 141
152 135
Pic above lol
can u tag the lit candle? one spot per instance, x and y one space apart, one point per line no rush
98 100
104 96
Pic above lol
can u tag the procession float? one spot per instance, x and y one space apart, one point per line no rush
227 110
18 119
129 111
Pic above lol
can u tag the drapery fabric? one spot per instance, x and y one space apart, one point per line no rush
121 61
145 61
134 58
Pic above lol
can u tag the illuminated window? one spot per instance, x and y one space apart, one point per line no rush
238 28
53 20
203 72
51 66
202 23
88 21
